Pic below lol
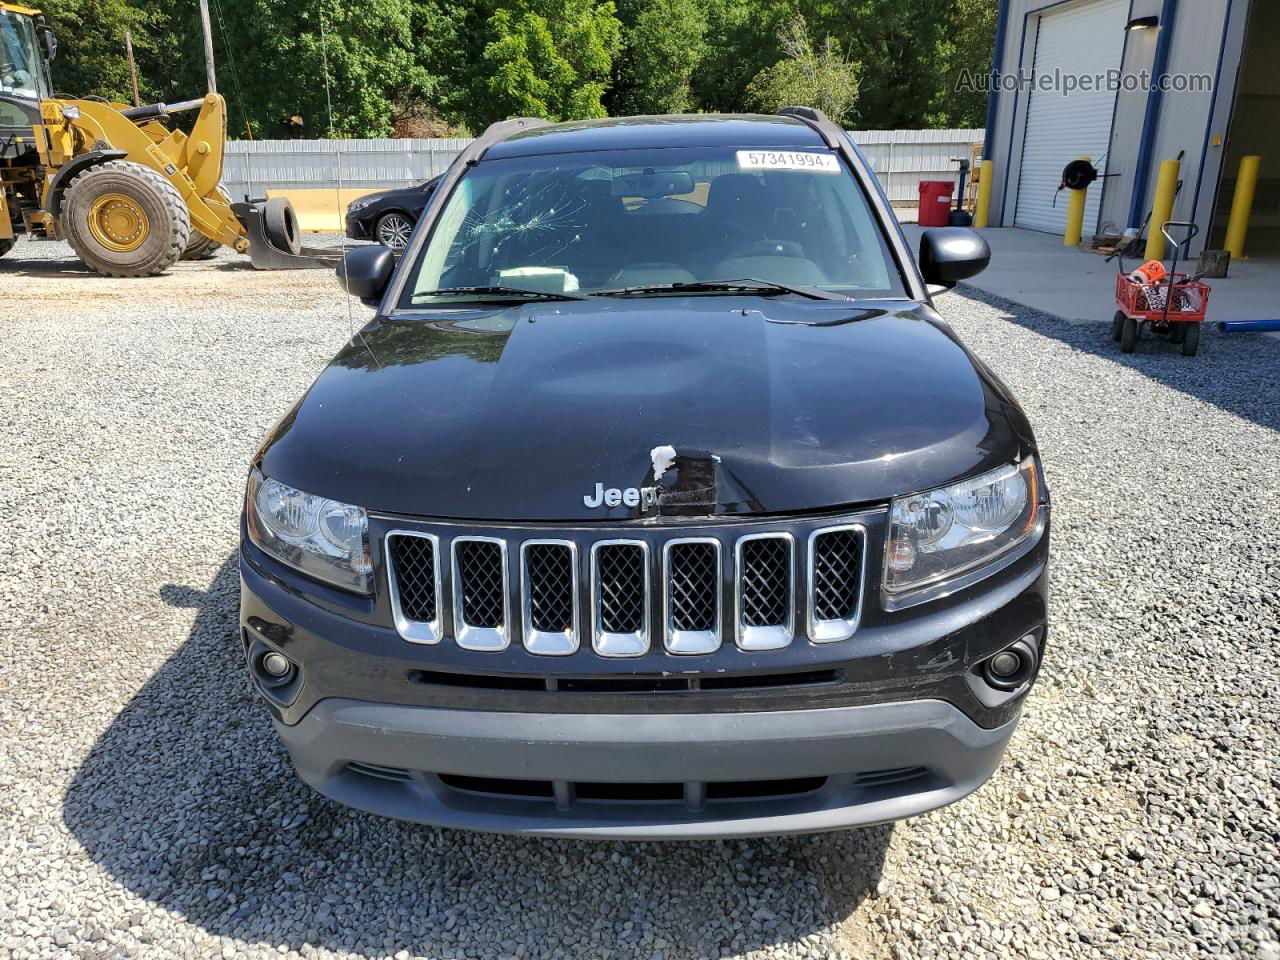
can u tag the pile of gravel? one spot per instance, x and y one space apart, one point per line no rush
147 810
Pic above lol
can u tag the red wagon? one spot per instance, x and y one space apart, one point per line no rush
1174 308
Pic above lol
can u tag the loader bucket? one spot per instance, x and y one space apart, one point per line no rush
269 245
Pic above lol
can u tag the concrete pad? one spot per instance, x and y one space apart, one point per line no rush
1037 270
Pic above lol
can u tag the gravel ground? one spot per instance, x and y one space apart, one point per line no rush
147 810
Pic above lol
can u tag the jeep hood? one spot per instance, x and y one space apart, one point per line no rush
712 405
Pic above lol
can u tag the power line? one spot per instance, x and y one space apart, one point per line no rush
235 74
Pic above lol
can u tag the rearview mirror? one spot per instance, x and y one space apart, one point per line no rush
653 185
951 254
366 271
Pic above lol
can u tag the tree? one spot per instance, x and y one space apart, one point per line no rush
402 65
545 58
968 47
91 59
665 42
824 78
898 43
356 60
743 38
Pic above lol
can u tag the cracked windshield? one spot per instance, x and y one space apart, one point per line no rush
631 222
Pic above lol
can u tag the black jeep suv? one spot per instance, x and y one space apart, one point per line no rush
655 501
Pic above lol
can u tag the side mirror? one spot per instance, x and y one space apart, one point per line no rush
951 254
50 43
366 271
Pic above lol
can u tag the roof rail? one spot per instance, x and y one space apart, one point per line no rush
818 121
496 133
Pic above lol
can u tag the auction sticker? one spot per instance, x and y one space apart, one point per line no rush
788 160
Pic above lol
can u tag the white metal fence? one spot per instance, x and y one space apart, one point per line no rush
253 166
900 158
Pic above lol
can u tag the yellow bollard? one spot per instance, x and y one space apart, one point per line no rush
1162 207
1075 216
986 174
1242 205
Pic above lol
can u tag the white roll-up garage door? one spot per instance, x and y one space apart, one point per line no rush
1080 40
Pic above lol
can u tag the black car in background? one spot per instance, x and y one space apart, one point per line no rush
389 216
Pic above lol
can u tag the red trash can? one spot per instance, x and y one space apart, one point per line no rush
935 203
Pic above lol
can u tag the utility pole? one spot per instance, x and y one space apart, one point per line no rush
208 45
133 67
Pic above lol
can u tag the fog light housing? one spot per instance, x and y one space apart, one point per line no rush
1006 663
276 665
275 675
1013 666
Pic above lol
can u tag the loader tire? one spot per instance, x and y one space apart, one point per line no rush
5 246
280 224
125 220
200 247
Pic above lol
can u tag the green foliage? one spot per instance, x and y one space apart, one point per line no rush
546 58
807 77
665 43
406 65
968 47
284 52
900 44
743 37
91 53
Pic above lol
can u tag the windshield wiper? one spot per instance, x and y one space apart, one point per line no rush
747 284
498 291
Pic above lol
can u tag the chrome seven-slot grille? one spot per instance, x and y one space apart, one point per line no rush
702 591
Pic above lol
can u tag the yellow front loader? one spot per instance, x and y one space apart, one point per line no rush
130 194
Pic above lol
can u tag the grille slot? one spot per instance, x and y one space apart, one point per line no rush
379 772
884 778
630 792
475 681
502 787
756 681
586 791
480 593
622 684
549 572
835 583
620 602
692 585
764 591
796 577
763 789
414 562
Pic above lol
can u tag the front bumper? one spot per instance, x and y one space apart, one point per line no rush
892 723
357 228
847 766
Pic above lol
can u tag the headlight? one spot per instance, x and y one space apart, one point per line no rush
947 531
324 538
359 204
